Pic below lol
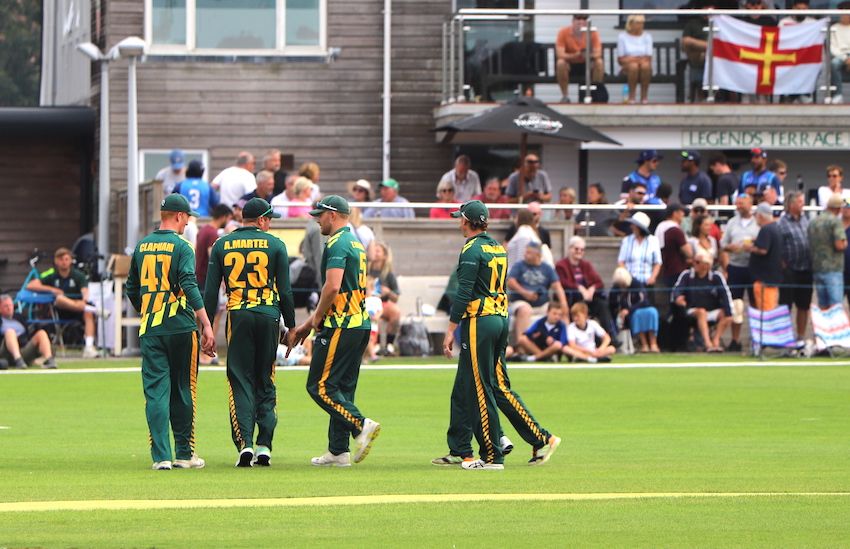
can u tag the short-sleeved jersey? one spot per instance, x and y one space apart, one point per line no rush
651 183
348 310
200 195
760 181
255 268
161 284
481 271
71 285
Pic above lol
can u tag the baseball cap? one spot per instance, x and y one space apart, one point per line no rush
177 203
331 203
673 208
691 155
648 155
699 203
758 152
256 208
835 201
391 183
473 210
176 159
764 209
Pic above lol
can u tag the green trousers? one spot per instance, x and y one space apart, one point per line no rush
488 336
169 381
251 351
332 381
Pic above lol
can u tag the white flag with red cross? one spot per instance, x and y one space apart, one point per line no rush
767 60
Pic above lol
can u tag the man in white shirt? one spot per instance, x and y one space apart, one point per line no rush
234 182
834 185
464 180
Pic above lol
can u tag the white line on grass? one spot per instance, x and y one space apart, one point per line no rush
144 504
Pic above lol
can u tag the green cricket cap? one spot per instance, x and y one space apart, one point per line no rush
332 203
474 210
257 208
391 183
177 203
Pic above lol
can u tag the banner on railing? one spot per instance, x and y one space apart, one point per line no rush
766 60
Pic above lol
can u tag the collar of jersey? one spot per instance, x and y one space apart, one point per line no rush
471 238
246 229
346 228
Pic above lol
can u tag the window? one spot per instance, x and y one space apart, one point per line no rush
234 27
151 161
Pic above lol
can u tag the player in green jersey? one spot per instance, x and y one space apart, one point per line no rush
161 286
342 333
482 386
255 269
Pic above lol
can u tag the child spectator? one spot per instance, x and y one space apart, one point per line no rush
547 337
582 334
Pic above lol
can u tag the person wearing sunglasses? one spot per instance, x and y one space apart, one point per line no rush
834 185
445 195
529 183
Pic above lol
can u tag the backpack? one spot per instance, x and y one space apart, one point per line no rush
413 338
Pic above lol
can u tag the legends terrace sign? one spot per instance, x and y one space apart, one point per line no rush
770 139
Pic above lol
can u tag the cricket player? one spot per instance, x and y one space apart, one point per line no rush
255 269
342 327
482 386
161 286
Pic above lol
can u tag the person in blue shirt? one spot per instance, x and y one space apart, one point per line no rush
696 183
760 177
546 337
201 196
647 162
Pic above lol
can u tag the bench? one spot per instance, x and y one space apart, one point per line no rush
534 63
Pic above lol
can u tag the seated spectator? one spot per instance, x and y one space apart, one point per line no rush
445 195
566 195
386 285
834 185
302 191
360 191
16 346
640 253
701 239
695 45
703 294
529 283
570 50
630 306
596 222
389 190
278 202
536 216
462 179
492 194
839 49
529 183
582 334
201 196
311 171
264 188
696 183
524 233
634 54
375 308
582 284
546 337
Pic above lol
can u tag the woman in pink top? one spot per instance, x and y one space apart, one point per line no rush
302 189
445 194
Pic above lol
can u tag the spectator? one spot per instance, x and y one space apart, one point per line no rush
445 195
200 194
524 232
236 221
703 294
264 188
172 174
726 183
699 208
582 334
546 338
311 171
760 20
492 194
828 242
302 192
375 308
766 260
634 53
647 162
845 220
796 260
464 180
360 191
640 253
386 285
388 190
236 181
16 346
780 168
637 195
288 195
630 306
701 239
797 19
361 231
581 282
529 284
696 183
536 215
566 195
207 235
529 183
839 48
834 185
570 49
273 162
676 252
596 222
769 197
695 44
741 231
754 181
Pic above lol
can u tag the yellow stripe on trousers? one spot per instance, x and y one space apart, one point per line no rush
323 393
193 387
520 409
234 421
479 389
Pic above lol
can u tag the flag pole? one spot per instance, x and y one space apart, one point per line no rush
710 60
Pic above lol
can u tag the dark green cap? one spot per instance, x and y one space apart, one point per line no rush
177 203
332 203
257 208
474 211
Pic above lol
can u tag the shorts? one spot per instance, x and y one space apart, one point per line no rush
801 295
64 314
29 352
766 298
577 70
713 315
739 280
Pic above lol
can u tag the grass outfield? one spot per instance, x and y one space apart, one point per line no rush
696 431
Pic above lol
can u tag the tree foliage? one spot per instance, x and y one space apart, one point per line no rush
20 52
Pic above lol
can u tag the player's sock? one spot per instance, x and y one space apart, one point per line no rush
89 341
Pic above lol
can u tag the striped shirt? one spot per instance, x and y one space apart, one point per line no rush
640 257
795 242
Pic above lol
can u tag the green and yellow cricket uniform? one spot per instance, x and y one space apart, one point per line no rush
339 345
71 285
482 386
161 286
255 268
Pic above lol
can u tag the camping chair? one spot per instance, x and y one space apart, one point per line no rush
772 329
832 329
39 311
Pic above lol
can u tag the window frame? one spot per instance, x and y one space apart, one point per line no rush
205 159
280 49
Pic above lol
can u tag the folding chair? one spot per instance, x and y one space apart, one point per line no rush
39 310
772 329
832 329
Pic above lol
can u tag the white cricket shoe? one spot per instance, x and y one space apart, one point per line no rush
480 465
264 456
193 462
542 455
506 444
161 466
371 430
246 456
90 351
329 460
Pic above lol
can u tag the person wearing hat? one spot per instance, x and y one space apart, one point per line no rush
172 174
765 260
200 194
647 162
696 183
640 253
360 191
342 327
828 241
482 387
254 267
754 181
162 287
699 208
388 190
463 179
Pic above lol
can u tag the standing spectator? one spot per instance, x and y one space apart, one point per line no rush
172 174
546 338
17 346
582 334
386 285
797 260
566 195
529 183
445 195
207 235
766 260
699 208
780 168
492 194
636 195
701 239
676 252
524 233
834 185
727 183
311 171
582 283
234 182
464 180
273 162
264 188
634 54
630 306
302 192
596 222
570 48
845 220
839 48
360 191
536 215
702 292
696 183
640 253
695 44
828 242
741 231
760 177
389 189
647 162
200 194
529 284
